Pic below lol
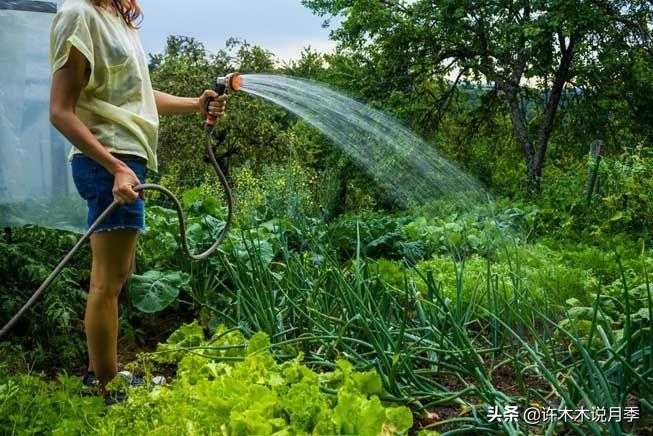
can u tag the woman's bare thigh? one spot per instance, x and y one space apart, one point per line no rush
113 256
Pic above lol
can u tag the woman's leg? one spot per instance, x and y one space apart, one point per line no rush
113 254
131 271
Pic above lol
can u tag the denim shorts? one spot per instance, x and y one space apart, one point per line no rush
95 184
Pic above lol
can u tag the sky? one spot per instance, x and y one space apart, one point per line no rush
284 27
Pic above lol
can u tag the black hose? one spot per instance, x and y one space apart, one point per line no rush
182 230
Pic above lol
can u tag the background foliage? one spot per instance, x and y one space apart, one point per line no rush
541 297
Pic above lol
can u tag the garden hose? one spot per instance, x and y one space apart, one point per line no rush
232 82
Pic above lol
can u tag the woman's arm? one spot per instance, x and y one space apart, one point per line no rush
67 84
167 104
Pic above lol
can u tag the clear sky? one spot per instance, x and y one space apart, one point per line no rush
281 26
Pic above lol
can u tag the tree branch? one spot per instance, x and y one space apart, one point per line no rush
546 126
396 5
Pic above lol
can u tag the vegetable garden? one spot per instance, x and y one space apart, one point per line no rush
371 314
332 310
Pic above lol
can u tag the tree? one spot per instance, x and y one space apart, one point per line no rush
310 65
512 45
254 128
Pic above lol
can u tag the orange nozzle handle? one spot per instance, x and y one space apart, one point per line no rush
210 119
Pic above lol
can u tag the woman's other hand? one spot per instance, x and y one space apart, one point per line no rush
217 106
123 185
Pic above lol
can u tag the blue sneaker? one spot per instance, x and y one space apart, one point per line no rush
137 381
89 380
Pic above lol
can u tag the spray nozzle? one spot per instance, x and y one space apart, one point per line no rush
232 82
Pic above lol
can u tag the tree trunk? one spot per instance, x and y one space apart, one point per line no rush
548 119
521 132
535 154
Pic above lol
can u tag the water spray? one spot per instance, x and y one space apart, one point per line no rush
402 163
231 82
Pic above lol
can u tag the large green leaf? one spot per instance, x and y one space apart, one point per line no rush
156 290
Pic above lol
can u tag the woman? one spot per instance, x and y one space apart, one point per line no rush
102 101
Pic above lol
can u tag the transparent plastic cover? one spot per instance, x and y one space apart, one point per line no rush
36 186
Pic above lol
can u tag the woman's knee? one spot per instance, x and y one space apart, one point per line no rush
107 287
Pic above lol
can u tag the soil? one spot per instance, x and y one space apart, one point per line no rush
503 379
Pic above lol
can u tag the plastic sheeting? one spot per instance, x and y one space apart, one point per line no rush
36 185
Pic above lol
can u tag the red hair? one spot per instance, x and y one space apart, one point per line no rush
129 10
